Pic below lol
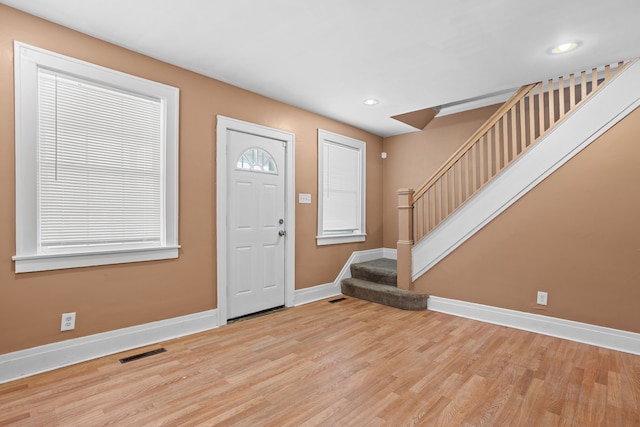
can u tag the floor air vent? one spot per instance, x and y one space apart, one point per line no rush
333 301
143 355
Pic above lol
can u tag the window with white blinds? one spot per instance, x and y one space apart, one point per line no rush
96 164
99 173
341 189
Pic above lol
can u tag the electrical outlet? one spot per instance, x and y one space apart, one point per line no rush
68 322
542 298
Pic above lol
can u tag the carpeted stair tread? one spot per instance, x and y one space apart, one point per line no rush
381 270
384 294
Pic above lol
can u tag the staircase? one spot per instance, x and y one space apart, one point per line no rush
376 281
543 126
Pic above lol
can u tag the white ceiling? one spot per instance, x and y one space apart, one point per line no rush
327 56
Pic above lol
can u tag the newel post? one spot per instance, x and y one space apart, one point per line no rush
405 237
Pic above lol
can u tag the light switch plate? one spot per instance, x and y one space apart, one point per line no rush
304 198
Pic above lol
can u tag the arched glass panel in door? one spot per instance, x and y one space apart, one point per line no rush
256 160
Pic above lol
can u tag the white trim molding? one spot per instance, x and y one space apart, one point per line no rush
615 339
342 238
316 293
598 114
223 126
390 253
27 264
328 290
501 97
48 357
363 256
475 103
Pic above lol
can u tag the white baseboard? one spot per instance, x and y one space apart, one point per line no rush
363 256
48 357
389 253
615 339
315 293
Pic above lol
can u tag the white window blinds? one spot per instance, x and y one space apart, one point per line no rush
341 189
341 198
100 166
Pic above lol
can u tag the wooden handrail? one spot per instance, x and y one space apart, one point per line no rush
495 117
522 121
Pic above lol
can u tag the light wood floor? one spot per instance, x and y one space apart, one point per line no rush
352 363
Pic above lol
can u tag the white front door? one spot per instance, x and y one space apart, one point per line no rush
256 223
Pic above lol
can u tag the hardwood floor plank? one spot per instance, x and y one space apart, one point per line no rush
571 396
320 417
353 363
510 411
14 420
495 397
557 385
597 405
428 415
530 408
630 371
469 395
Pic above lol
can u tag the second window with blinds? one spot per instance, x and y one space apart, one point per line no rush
341 189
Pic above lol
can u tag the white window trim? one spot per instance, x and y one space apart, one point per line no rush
27 60
332 239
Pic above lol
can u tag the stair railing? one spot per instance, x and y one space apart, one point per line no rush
522 121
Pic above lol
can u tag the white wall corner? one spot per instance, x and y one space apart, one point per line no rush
48 357
615 339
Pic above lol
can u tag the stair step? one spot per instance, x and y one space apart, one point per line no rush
382 270
384 294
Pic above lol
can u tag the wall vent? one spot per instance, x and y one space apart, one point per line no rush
142 355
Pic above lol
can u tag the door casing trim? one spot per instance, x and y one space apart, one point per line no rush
225 124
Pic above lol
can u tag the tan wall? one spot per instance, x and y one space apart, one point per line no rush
575 236
412 158
111 297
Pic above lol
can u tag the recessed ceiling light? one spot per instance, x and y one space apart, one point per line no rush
565 47
370 101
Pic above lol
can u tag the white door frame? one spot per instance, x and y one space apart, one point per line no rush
225 124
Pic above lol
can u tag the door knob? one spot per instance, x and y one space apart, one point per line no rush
282 233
